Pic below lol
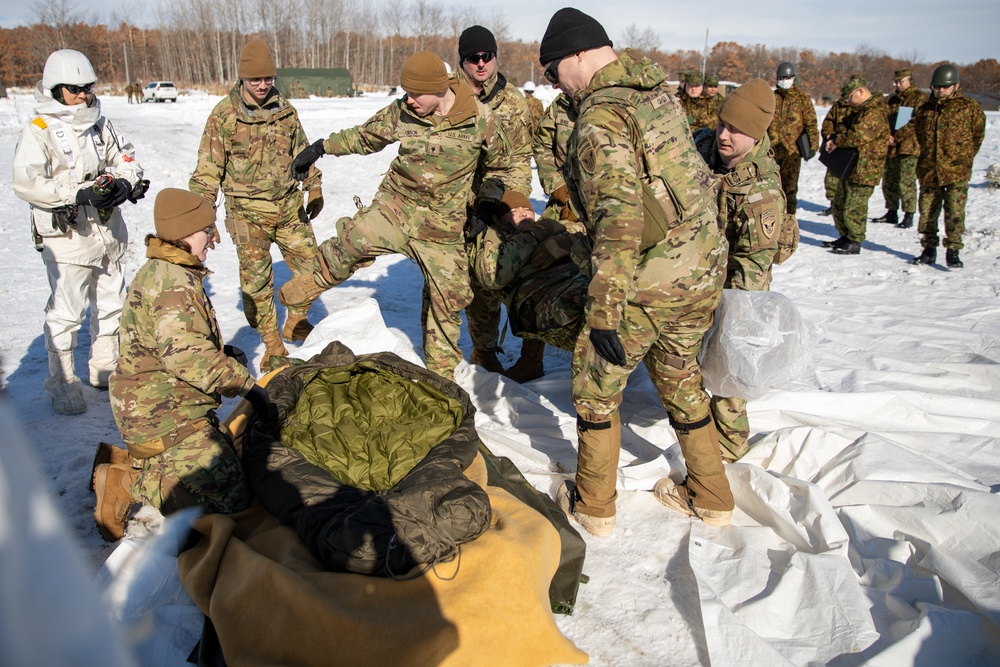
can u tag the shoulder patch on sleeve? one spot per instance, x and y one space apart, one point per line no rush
39 123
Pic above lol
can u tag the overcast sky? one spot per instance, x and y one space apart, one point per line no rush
961 31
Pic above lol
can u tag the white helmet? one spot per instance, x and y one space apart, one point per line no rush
67 66
529 86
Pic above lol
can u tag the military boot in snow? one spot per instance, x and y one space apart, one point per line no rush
487 359
108 453
906 222
836 243
928 256
529 365
890 217
849 248
275 354
566 499
705 493
952 260
297 327
113 486
63 386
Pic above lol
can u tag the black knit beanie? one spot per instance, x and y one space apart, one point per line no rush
571 31
476 39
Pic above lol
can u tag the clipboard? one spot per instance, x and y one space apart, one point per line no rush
903 116
840 162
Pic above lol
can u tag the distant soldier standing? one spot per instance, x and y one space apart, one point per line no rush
477 50
899 182
751 209
866 129
128 92
713 99
446 137
793 115
690 98
833 123
651 296
950 130
246 151
535 108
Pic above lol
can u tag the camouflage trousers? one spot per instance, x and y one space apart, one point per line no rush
850 210
548 305
789 165
483 316
952 198
253 225
730 416
387 227
899 183
203 469
830 182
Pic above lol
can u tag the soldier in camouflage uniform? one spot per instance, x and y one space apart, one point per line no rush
950 129
477 50
866 128
751 209
446 136
549 148
535 108
899 182
172 370
528 264
793 114
833 123
713 100
653 283
695 106
246 151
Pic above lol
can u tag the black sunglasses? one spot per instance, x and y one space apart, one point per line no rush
483 57
552 71
76 90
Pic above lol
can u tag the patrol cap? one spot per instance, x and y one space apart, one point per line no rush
693 78
178 213
424 73
749 108
256 61
711 80
856 81
902 74
571 31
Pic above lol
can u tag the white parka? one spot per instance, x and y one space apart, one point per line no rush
62 150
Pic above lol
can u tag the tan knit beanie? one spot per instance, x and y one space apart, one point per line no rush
512 199
424 74
749 108
256 61
178 213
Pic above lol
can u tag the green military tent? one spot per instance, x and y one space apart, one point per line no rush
304 81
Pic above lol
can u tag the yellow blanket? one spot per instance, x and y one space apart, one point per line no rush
273 604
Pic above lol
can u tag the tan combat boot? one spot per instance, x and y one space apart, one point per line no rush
108 453
297 327
487 359
275 354
529 364
705 493
113 486
566 499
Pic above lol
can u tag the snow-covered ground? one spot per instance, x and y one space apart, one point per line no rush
866 528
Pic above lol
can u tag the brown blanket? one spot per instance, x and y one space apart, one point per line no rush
272 604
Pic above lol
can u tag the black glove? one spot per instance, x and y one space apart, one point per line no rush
262 405
314 206
117 194
608 345
139 191
485 213
304 160
236 353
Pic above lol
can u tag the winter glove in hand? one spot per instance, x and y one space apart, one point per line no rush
304 160
139 191
485 213
117 195
608 345
236 353
314 206
262 405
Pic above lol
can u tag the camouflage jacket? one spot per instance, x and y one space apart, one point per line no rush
866 128
833 122
632 134
702 113
950 132
793 114
751 210
551 140
535 111
713 105
247 151
906 136
511 112
171 369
